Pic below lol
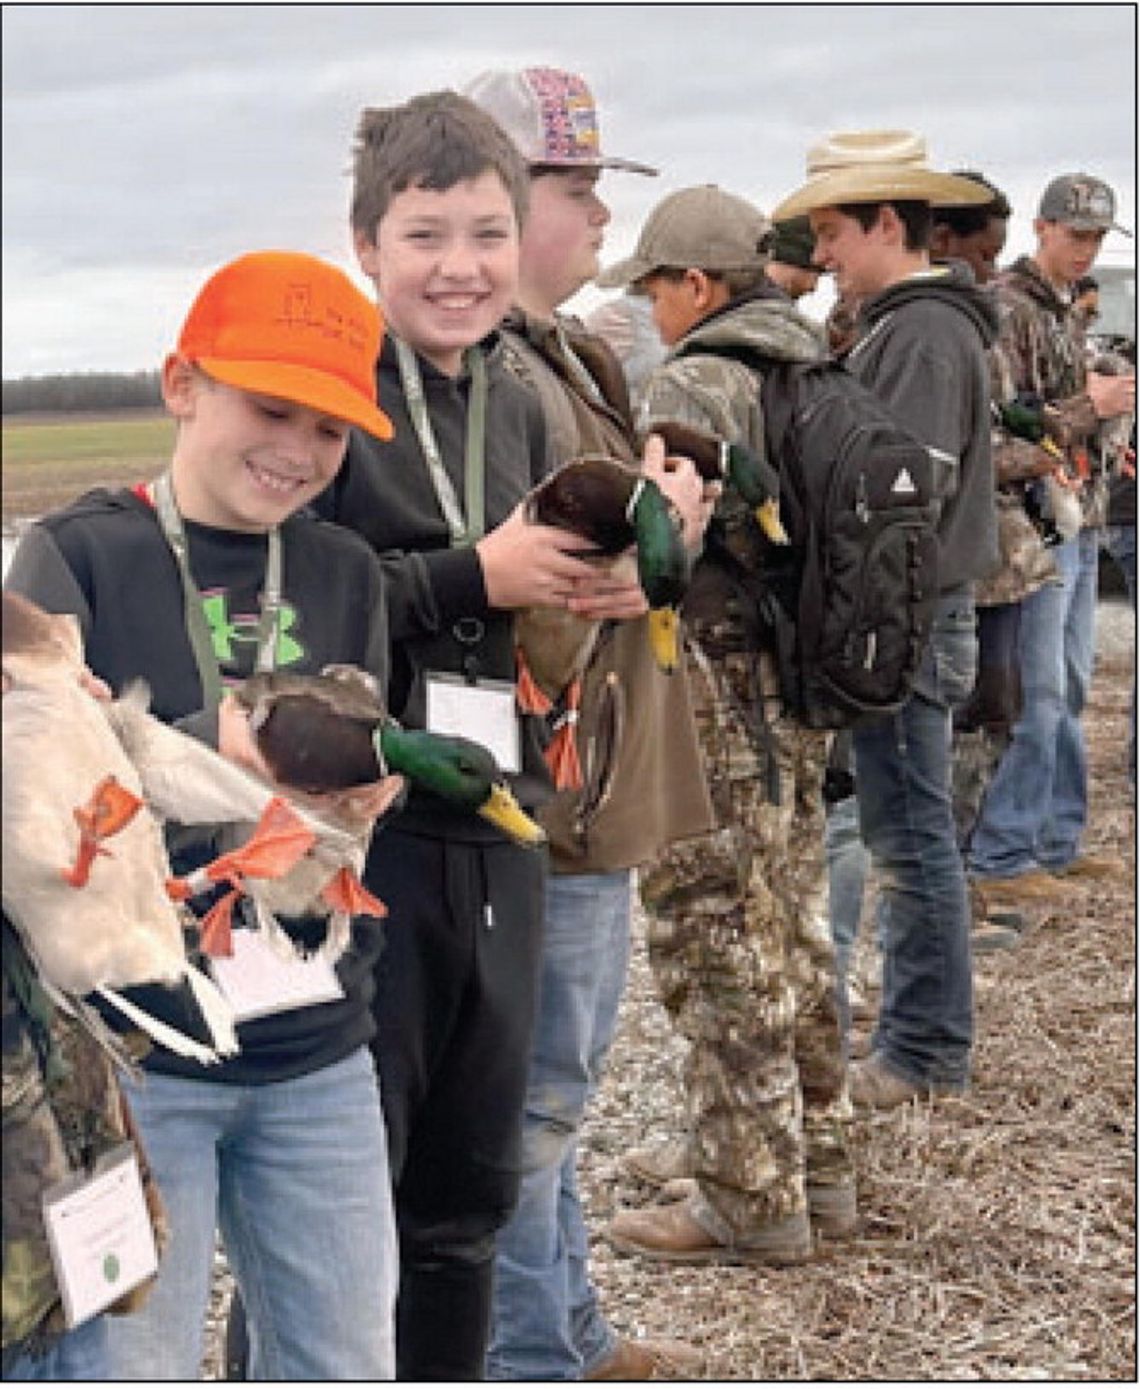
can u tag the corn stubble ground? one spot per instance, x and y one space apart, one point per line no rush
998 1231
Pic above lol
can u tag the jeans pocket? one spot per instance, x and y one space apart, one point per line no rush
954 644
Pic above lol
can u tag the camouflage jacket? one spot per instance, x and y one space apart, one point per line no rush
1040 349
699 385
62 1111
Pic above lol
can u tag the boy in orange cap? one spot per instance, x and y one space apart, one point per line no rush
191 583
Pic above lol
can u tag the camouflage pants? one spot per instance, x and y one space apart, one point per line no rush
744 962
52 1129
975 755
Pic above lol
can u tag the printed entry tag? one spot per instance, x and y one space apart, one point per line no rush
258 981
484 712
100 1235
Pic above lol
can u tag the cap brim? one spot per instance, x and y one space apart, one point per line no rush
304 386
623 272
1089 224
866 183
629 166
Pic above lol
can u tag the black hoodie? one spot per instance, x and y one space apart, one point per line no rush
922 350
436 594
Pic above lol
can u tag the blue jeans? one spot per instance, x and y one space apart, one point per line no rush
80 1354
1120 542
902 782
296 1175
846 877
1036 807
546 1322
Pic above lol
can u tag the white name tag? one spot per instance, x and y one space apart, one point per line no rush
258 981
100 1235
484 712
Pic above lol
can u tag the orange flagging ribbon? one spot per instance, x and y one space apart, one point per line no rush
561 754
562 751
109 810
528 693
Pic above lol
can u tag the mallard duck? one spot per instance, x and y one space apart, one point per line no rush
717 460
332 731
316 734
612 506
84 862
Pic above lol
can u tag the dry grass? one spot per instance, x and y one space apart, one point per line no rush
998 1236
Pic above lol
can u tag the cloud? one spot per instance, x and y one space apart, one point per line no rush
145 144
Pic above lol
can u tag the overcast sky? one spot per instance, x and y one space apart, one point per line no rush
144 145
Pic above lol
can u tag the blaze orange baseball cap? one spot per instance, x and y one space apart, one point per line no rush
292 326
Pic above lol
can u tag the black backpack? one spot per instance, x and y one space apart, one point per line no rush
851 600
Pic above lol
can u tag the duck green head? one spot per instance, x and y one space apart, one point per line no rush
662 566
459 771
758 483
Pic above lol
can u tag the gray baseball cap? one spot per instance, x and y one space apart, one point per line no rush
702 227
1080 201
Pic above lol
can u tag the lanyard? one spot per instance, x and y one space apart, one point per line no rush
194 617
462 532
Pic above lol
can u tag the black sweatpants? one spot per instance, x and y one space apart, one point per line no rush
456 988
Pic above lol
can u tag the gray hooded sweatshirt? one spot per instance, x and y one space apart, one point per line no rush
922 350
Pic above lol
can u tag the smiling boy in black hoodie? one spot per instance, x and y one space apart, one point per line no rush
921 347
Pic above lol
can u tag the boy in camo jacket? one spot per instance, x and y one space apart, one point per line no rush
1029 829
739 939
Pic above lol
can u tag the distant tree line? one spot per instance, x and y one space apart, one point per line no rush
81 391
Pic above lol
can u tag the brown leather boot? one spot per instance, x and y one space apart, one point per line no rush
651 1358
673 1233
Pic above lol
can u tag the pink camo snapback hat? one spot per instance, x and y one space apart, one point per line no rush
550 115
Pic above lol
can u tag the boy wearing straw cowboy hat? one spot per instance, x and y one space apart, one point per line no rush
922 335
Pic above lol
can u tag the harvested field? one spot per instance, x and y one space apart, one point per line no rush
998 1238
49 460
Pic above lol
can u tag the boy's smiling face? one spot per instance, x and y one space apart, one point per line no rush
245 461
445 265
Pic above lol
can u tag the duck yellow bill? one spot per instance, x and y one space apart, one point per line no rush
768 514
663 638
504 811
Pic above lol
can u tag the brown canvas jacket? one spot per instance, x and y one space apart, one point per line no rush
657 787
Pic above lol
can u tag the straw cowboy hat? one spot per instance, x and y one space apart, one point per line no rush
868 166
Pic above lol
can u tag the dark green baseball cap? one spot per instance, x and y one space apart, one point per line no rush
792 243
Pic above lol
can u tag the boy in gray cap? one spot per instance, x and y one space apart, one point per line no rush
1028 833
739 943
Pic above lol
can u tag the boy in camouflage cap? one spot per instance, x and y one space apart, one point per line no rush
1029 830
739 940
